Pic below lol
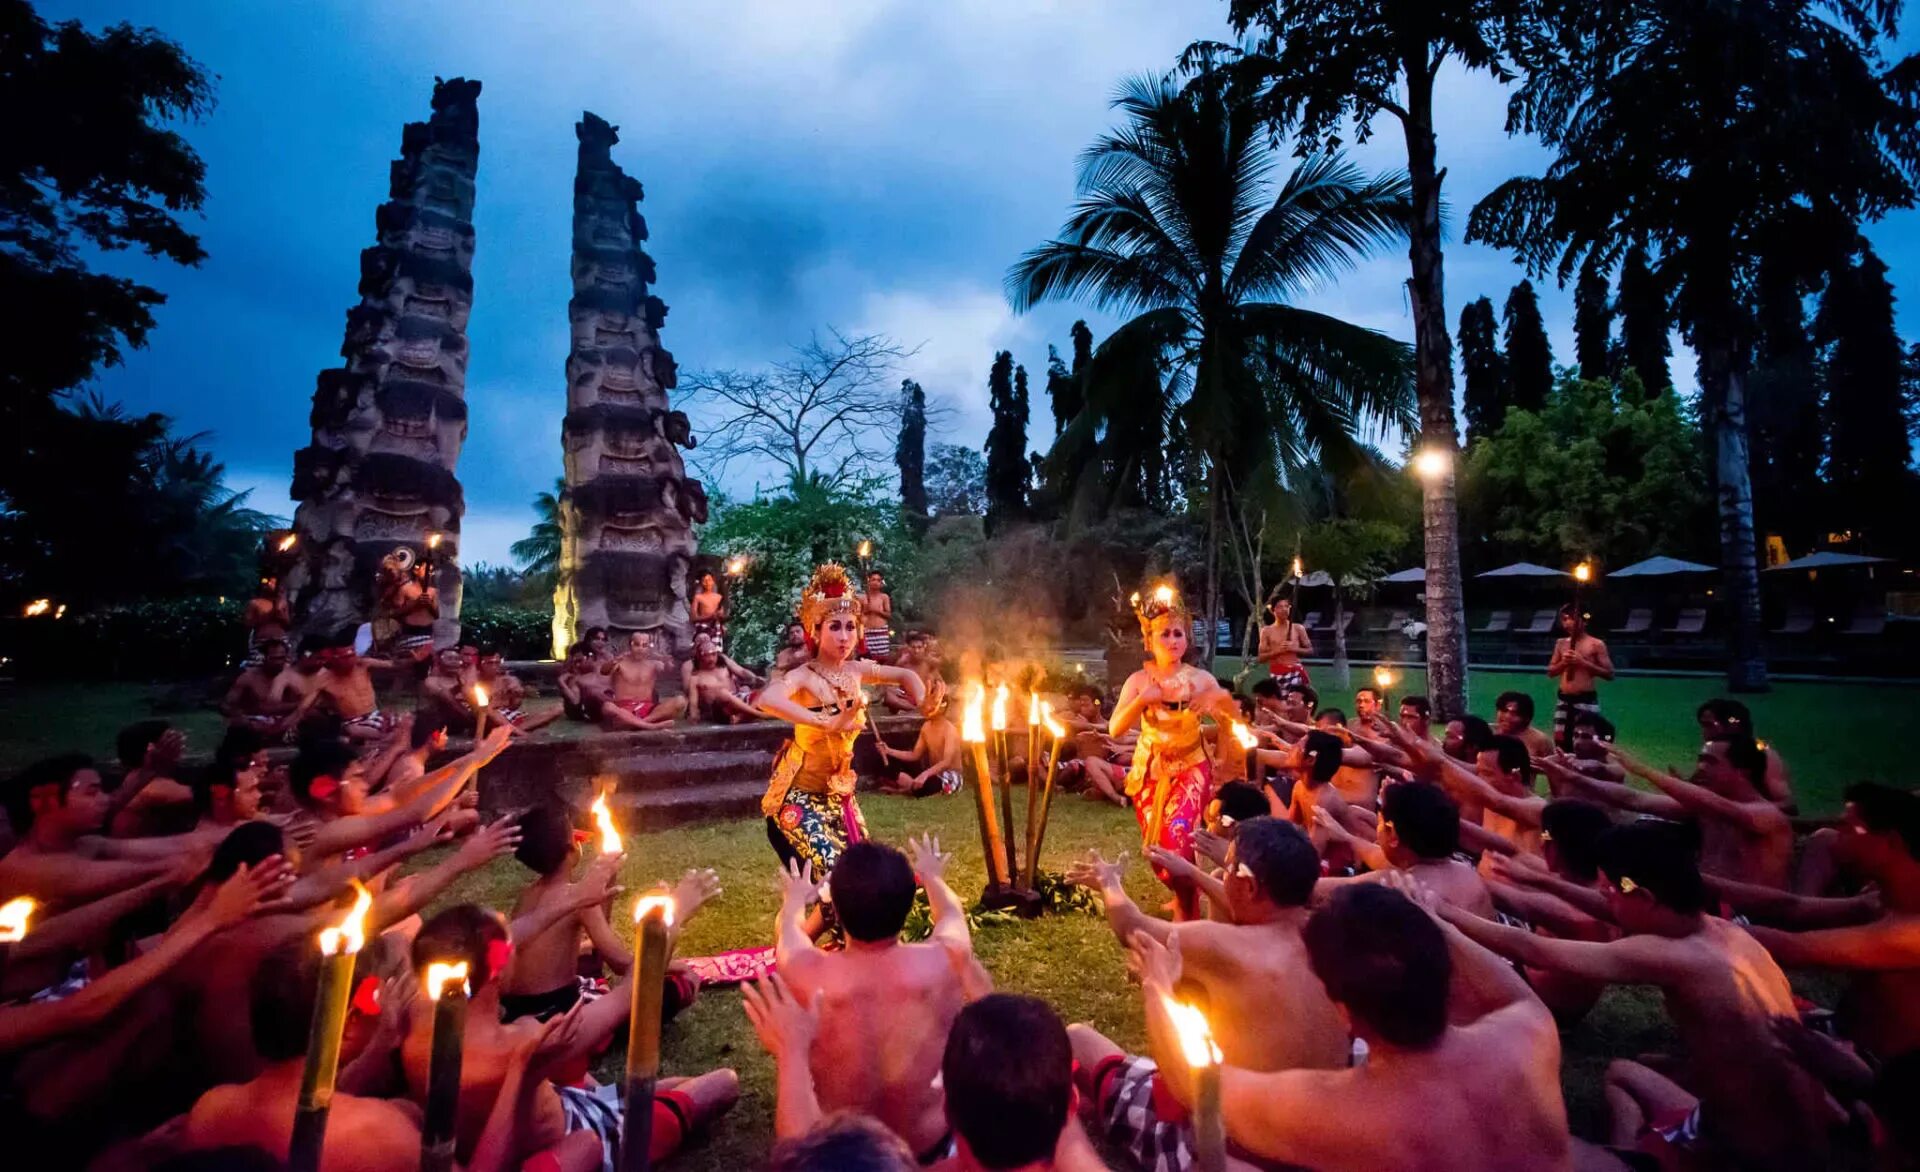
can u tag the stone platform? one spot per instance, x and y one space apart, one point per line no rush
673 777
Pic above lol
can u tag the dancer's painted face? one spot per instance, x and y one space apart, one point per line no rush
837 635
1167 639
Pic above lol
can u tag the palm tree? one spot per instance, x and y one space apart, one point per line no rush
1180 224
1671 133
539 551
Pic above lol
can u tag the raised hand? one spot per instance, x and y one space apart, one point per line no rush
497 738
596 884
797 884
1177 866
247 891
1210 846
1410 885
1157 965
785 1027
696 888
555 1042
1097 874
928 861
501 838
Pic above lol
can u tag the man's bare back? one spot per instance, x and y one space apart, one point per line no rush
363 1134
1268 1010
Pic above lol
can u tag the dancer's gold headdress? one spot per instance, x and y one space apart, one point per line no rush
829 593
1161 600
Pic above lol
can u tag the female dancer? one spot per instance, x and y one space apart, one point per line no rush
1282 643
1171 781
810 808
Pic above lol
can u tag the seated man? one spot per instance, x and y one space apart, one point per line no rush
793 650
1416 716
1743 835
1419 834
938 747
507 696
347 687
251 699
52 806
1481 1094
583 690
150 798
582 1124
292 685
363 1134
426 735
447 692
227 792
1267 1010
1740 1098
337 817
1720 718
1513 717
717 688
882 1057
919 658
633 703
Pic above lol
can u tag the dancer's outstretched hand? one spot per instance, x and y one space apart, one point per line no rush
929 864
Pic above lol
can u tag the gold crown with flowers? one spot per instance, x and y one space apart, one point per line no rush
830 592
1161 600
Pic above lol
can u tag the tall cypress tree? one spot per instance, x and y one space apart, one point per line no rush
1592 323
1082 348
910 455
1784 428
1644 345
1484 368
1006 447
1063 392
1529 354
1867 454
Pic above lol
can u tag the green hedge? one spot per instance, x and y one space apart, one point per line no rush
519 632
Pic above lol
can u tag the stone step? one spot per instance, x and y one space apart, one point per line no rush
651 771
659 809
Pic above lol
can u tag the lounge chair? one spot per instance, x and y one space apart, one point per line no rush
1499 620
1344 621
1870 619
1395 622
1542 623
1799 621
1692 621
1639 622
1312 621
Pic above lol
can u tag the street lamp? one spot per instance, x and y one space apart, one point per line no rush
1432 463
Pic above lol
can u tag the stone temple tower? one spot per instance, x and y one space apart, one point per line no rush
628 511
389 422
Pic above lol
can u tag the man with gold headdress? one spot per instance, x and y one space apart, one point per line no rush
810 807
1171 780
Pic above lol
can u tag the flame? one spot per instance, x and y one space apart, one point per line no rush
288 542
60 612
439 976
479 696
1432 463
1383 676
351 935
647 904
39 606
1245 736
1299 568
1000 695
1163 595
1054 727
866 549
736 566
603 821
13 918
433 541
1196 1036
973 728
1583 572
1033 709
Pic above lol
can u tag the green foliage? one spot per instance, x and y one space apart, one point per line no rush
518 632
910 454
539 551
1057 898
1597 472
783 537
163 639
956 481
92 166
1483 367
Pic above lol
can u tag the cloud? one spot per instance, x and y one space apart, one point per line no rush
957 328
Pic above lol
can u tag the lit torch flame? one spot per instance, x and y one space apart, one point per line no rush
1163 595
736 566
13 918
433 541
351 935
479 696
39 606
439 976
1583 572
1383 676
1000 696
866 549
603 821
1299 568
648 903
1245 736
1054 728
288 542
973 726
1196 1037
1135 600
1033 709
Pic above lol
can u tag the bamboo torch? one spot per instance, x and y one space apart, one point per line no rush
652 916
1203 1056
1383 681
448 989
973 733
14 915
1037 832
1250 750
479 714
338 947
1001 695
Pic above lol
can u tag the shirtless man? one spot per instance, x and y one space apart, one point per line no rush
919 657
337 817
266 617
878 612
1267 1009
793 652
413 603
708 610
1513 717
251 700
52 805
228 792
1721 717
1481 1094
1743 836
1366 704
1283 643
714 685
1878 843
1743 1099
1580 661
632 703
881 1056
581 1124
507 696
150 798
445 691
426 735
1419 833
347 686
938 747
364 1134
1416 716
583 690
600 645
294 684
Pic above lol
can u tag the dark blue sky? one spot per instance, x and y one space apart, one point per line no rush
869 164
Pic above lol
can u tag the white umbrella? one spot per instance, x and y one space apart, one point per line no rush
1655 567
1416 574
1322 578
1828 559
1524 570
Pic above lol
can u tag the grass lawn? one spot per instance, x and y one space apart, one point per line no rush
1831 735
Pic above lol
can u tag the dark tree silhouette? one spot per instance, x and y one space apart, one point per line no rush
1644 324
1593 324
1785 429
1529 355
1485 369
910 455
1868 454
1006 448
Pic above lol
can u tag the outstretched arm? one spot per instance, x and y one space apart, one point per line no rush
407 896
1892 943
1126 919
786 1029
1629 960
903 678
435 791
798 889
930 867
